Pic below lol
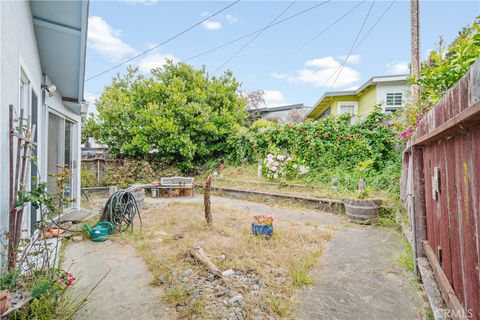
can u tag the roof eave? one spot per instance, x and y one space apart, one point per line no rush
83 50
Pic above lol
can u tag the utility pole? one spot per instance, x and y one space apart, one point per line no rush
415 44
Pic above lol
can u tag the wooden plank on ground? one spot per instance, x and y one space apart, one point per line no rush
447 290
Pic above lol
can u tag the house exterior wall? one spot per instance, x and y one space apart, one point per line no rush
336 100
19 52
367 100
18 49
374 93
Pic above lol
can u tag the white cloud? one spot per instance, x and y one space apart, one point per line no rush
273 98
212 25
106 40
353 58
230 18
217 23
398 67
322 72
155 59
279 76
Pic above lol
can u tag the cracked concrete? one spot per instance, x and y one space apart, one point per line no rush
124 294
357 276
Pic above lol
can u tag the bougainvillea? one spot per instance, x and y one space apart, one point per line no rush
443 68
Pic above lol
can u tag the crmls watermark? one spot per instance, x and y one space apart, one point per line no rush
447 314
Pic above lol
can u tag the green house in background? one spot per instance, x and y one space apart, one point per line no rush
390 92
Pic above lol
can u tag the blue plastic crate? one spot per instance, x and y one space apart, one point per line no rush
262 229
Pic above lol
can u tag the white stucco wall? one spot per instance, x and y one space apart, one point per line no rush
384 88
18 49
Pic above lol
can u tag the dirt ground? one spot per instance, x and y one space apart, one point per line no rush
357 275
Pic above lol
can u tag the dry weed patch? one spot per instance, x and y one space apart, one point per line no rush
266 272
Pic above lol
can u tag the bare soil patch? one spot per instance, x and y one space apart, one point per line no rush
266 273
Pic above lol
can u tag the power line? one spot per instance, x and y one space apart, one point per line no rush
162 43
254 38
358 44
256 31
353 45
375 24
239 38
316 36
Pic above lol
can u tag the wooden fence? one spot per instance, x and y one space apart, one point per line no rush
441 190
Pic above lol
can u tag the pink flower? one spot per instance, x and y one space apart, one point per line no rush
68 279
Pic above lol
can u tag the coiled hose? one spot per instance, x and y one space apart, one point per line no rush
121 209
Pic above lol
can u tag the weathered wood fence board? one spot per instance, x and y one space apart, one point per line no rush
442 175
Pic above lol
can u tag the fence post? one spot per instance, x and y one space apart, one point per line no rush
418 196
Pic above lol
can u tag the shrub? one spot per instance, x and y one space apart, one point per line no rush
331 148
179 115
130 171
443 68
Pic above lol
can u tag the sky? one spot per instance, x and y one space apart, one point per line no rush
294 61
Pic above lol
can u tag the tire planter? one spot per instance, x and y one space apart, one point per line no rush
362 211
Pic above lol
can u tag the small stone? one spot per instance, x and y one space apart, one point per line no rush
77 238
232 293
236 299
181 305
210 277
187 273
228 273
256 287
220 291
161 279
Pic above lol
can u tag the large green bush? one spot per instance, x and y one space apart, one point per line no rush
178 115
444 67
332 148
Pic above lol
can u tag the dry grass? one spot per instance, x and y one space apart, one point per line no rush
249 172
283 263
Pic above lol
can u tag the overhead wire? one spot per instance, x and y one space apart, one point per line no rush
353 45
356 45
375 24
256 31
162 43
293 53
241 37
254 38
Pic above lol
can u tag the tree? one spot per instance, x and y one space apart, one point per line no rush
297 115
90 128
253 99
178 115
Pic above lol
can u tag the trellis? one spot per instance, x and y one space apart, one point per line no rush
18 161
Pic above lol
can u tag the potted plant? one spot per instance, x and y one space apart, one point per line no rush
361 210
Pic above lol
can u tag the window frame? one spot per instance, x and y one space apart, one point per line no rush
394 105
341 104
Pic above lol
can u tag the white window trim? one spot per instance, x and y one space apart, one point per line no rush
75 153
394 105
348 103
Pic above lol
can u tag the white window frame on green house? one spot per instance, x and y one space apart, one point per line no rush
343 104
396 99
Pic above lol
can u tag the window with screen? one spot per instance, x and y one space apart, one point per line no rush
347 108
394 99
